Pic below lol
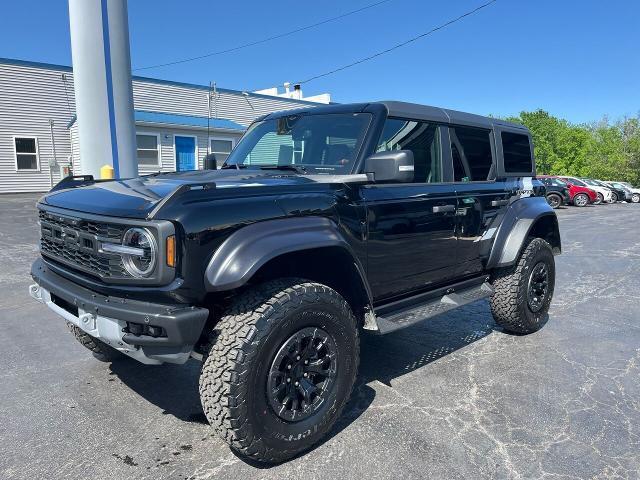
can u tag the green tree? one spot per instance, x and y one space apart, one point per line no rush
603 150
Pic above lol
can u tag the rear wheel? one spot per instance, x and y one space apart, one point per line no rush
101 351
635 198
581 200
523 292
554 200
281 366
599 199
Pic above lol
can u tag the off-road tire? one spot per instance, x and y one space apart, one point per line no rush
554 200
635 198
243 345
101 351
509 302
581 200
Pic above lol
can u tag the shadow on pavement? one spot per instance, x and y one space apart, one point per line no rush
174 388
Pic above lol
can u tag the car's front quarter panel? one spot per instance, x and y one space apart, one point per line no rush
205 220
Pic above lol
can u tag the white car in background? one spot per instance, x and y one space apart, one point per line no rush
604 194
635 192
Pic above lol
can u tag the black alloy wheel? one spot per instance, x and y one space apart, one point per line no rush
302 374
538 287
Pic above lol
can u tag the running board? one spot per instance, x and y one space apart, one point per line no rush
390 319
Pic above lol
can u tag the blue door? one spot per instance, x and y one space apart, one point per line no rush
185 153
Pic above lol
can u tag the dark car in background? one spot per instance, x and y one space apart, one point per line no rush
623 193
597 184
557 192
635 192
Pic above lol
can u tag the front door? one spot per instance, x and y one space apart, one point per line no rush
411 227
412 237
185 153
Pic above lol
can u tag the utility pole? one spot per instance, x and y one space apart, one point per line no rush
102 85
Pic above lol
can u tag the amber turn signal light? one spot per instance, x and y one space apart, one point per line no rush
171 251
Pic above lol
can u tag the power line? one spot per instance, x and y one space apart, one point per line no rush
399 45
264 40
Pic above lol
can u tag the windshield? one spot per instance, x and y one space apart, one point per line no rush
326 143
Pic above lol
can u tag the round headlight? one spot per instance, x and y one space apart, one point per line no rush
140 264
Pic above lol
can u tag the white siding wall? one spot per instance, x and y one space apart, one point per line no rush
30 95
167 152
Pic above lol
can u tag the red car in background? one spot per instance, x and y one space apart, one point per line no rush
580 196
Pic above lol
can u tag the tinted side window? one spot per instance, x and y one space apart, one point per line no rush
422 138
471 150
517 153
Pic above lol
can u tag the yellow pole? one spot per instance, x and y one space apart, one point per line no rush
106 172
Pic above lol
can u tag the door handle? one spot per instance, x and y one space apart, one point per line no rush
499 203
443 208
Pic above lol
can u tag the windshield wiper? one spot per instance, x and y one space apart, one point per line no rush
291 167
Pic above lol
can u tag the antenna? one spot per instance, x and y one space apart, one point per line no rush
209 119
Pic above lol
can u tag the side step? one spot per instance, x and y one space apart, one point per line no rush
390 319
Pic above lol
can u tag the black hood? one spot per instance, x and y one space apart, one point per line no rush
137 197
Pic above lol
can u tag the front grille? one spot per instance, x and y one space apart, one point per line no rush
109 231
75 242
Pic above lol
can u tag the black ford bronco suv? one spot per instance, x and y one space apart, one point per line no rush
323 222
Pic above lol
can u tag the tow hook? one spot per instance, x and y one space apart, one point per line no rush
88 321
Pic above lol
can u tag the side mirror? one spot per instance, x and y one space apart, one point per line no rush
391 166
209 162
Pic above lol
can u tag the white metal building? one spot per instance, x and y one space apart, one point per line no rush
39 134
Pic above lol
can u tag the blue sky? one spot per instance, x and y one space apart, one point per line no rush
577 59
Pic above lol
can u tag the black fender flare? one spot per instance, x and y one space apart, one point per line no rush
515 227
246 250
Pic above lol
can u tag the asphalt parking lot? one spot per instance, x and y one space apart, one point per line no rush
451 398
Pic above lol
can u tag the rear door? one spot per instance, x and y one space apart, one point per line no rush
411 226
482 197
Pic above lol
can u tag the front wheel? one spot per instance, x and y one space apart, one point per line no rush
635 198
614 197
599 199
281 366
581 200
523 292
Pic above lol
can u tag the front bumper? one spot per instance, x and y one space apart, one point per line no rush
109 318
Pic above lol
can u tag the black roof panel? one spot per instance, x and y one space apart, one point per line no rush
405 109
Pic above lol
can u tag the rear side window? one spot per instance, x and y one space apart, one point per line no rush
471 151
517 153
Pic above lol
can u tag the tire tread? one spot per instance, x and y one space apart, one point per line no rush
509 297
223 382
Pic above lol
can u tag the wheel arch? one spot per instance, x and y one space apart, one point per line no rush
531 217
306 247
